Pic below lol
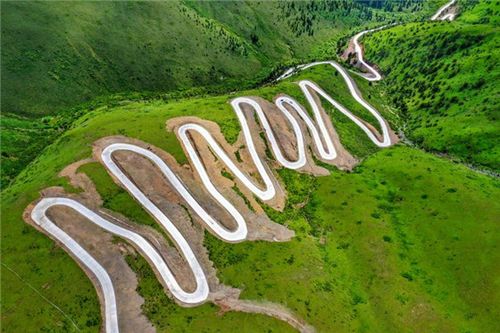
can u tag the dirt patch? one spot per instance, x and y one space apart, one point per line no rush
349 53
267 308
451 12
81 181
350 56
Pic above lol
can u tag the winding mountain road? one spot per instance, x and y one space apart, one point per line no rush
373 74
38 215
319 134
439 13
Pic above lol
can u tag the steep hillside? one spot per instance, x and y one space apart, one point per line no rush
444 77
393 249
56 55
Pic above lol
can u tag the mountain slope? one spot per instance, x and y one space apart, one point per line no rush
393 249
444 77
56 55
59 54
407 242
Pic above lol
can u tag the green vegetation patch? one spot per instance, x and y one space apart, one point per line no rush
444 76
405 243
167 316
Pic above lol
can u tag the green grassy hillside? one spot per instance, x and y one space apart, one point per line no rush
444 77
397 246
56 55
59 54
